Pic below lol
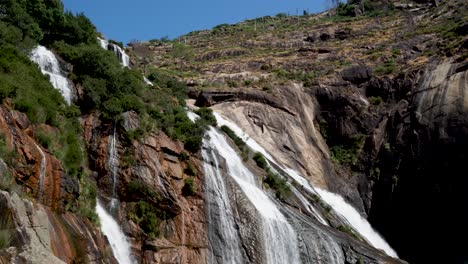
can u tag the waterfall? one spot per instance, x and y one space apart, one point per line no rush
338 204
278 237
49 65
148 82
118 51
42 172
359 223
118 241
113 166
221 228
103 43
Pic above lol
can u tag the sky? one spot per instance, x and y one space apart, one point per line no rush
127 20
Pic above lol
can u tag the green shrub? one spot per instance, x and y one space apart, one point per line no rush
348 230
190 169
5 239
344 9
144 215
189 187
389 67
279 184
348 154
7 155
206 114
86 205
237 140
7 182
260 160
376 100
139 190
181 51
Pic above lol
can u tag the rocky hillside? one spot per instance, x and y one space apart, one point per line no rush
366 99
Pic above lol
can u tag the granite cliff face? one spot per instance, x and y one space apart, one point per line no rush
37 228
371 106
366 100
156 162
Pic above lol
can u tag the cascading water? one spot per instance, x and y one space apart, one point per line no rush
339 205
109 226
113 166
103 43
148 82
42 173
278 237
221 227
118 51
359 223
118 241
49 65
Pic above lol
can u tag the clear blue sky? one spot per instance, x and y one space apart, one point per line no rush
125 20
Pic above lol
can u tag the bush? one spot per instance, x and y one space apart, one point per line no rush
376 100
5 237
348 154
137 189
189 187
190 169
388 68
143 214
348 230
260 160
206 114
278 184
237 140
86 205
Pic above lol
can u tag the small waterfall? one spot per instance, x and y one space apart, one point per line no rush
113 166
118 51
49 65
359 223
148 82
278 237
117 239
103 43
339 205
42 173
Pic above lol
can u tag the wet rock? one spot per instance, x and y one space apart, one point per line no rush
38 235
58 188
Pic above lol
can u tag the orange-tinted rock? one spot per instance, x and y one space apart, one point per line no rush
57 187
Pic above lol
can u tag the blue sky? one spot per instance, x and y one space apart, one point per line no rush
126 20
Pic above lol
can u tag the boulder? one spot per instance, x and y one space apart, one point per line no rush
357 74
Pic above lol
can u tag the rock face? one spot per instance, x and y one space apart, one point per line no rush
410 170
38 228
408 176
38 235
37 171
158 163
291 131
421 148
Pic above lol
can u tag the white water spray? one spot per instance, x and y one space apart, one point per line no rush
357 222
42 172
279 238
118 51
113 166
118 241
49 65
221 228
148 82
348 212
